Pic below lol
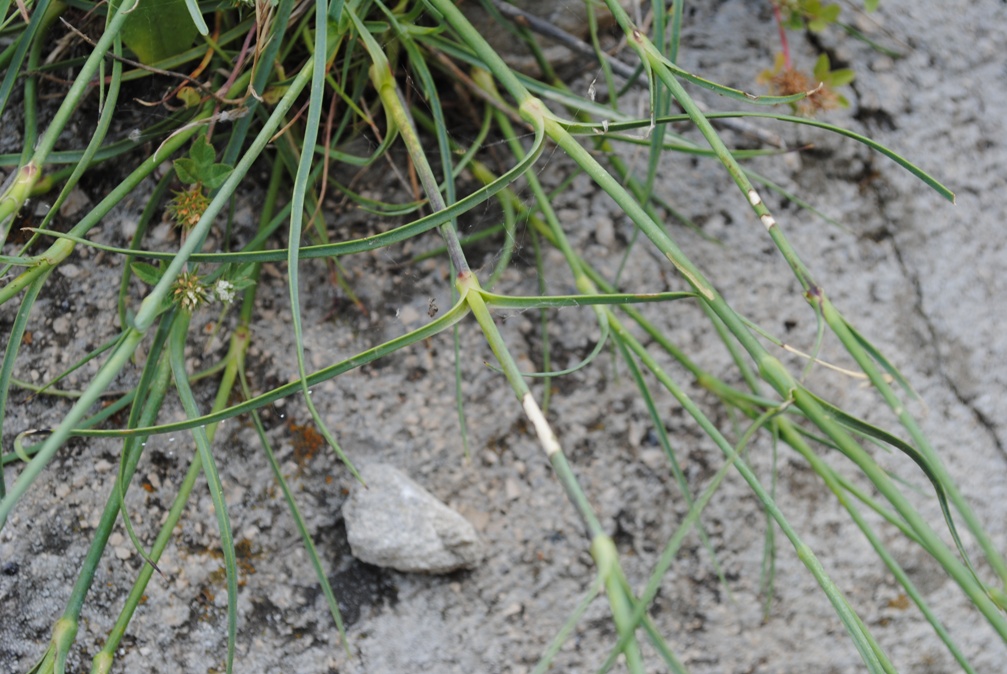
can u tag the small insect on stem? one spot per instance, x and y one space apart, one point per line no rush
432 308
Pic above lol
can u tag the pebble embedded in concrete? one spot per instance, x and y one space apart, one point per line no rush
395 523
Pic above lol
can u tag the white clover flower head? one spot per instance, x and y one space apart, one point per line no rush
225 291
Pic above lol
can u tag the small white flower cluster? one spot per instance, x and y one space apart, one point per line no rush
190 297
225 291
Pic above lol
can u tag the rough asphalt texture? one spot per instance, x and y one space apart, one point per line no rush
921 277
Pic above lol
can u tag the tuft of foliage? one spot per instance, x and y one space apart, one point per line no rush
286 89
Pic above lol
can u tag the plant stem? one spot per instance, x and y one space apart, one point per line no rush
12 200
152 304
784 44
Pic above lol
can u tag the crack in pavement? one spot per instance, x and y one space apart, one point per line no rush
909 273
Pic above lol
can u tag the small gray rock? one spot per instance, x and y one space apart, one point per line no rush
396 523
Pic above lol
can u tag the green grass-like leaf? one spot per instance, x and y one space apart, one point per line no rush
325 97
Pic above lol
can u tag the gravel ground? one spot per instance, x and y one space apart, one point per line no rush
917 275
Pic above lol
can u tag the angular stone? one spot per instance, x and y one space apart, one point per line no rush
396 523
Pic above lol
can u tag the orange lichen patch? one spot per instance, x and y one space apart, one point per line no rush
901 602
243 551
306 440
243 557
